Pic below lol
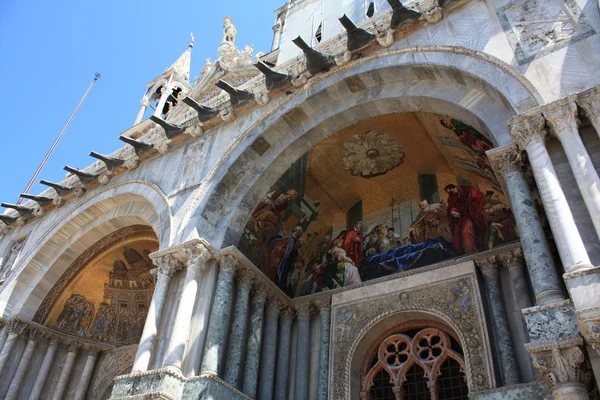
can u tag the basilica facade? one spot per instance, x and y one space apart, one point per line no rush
400 201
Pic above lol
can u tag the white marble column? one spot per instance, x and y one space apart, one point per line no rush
197 256
237 339
504 346
65 372
42 374
3 332
528 132
303 352
15 328
562 119
86 374
144 103
269 349
17 379
543 272
166 91
167 265
254 341
589 101
219 319
283 354
325 311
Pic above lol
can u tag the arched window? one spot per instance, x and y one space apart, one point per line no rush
421 364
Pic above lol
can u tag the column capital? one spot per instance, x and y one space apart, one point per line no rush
274 304
197 255
228 264
488 266
36 335
167 264
505 159
589 325
259 294
589 101
17 326
323 305
245 279
303 309
288 313
525 129
562 119
510 258
559 361
74 346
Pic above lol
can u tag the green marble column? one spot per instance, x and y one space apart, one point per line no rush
254 340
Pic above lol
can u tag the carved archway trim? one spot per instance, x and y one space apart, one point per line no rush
456 302
129 233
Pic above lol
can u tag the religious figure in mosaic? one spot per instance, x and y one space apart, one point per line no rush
466 218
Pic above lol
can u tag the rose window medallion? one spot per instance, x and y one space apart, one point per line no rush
371 153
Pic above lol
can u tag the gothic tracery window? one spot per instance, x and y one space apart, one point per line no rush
421 364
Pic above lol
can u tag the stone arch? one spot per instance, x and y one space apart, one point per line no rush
116 207
468 85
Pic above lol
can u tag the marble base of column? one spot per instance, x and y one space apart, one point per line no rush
40 379
254 342
86 374
65 373
283 355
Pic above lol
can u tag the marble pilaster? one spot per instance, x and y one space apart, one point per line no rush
508 361
197 256
86 374
15 328
529 134
42 374
167 265
17 379
217 328
560 364
543 272
325 311
283 354
254 341
65 372
237 339
303 351
269 349
562 119
589 102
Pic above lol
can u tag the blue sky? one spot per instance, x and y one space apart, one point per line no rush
51 50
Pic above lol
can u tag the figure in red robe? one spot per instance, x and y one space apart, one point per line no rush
466 218
267 216
353 243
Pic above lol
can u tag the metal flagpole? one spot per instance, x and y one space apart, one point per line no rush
41 166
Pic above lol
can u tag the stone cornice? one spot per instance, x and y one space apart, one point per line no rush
554 344
536 309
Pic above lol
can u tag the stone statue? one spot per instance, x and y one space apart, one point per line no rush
229 31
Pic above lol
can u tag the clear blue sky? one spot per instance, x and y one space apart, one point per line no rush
51 50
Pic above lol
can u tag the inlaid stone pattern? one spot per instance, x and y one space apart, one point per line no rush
455 301
531 391
551 323
537 27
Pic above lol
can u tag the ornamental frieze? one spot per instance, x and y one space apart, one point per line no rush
455 301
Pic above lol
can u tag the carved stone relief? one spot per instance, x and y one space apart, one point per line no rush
455 301
7 261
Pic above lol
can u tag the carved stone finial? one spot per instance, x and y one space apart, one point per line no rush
525 129
562 119
505 160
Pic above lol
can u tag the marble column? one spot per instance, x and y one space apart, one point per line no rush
237 339
197 256
254 341
166 91
167 265
303 352
589 101
86 374
543 272
15 328
529 134
17 379
560 364
507 359
42 374
276 35
65 372
3 332
269 349
144 103
513 262
562 119
283 354
325 311
217 328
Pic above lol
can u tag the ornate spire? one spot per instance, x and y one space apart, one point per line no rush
181 66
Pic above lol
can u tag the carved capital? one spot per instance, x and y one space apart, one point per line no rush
589 324
168 264
288 313
590 103
488 266
74 346
511 259
505 160
303 309
525 129
17 326
274 304
324 306
36 335
197 255
562 119
228 264
245 279
558 361
259 294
